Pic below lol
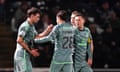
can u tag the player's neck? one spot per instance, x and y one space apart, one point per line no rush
61 22
29 21
81 28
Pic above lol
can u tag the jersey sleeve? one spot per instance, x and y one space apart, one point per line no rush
23 31
50 37
89 51
89 37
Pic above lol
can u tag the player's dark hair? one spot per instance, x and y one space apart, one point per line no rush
33 11
75 12
80 14
63 15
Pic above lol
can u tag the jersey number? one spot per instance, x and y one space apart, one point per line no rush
68 42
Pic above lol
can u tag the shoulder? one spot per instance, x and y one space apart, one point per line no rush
55 28
24 26
87 29
58 26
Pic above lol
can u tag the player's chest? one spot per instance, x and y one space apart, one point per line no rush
30 33
82 35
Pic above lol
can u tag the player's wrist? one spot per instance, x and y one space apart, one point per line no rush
29 50
46 31
90 58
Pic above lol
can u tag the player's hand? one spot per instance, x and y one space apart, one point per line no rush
90 62
49 28
35 52
46 32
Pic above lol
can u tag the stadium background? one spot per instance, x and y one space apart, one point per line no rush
103 19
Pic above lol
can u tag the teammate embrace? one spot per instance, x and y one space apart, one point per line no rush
73 41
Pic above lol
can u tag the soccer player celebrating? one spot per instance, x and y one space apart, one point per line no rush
62 35
72 19
83 46
26 35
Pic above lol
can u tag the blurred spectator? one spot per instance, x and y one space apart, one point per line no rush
2 10
10 10
44 22
104 13
114 21
116 7
115 24
19 16
41 4
94 27
53 13
109 43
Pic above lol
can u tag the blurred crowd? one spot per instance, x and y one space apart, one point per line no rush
103 19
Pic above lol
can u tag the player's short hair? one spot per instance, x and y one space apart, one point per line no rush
83 16
33 11
80 14
63 15
75 12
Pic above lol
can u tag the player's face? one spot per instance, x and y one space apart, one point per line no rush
36 18
79 21
73 19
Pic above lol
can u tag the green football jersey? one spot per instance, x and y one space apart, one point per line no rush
28 33
62 35
82 38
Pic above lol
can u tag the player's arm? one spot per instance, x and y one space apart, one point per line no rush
45 32
50 37
92 46
25 46
90 51
20 40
